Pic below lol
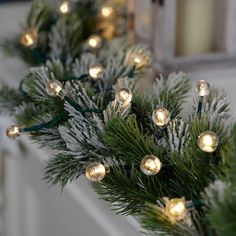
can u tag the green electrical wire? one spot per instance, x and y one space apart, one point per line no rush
131 72
199 109
45 125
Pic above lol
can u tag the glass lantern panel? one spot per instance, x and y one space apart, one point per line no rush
200 27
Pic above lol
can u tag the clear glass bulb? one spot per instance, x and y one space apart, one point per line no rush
13 132
203 88
161 116
208 141
95 172
64 7
96 71
107 11
150 165
137 60
27 40
53 88
124 96
176 209
94 41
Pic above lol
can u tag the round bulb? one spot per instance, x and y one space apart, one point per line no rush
94 41
124 97
161 116
107 11
64 7
95 171
27 40
137 60
53 88
203 88
150 165
208 141
176 209
13 132
96 71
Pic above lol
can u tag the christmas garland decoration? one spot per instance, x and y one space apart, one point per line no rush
96 106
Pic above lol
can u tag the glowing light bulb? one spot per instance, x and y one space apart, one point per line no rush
124 96
161 116
53 88
94 42
137 60
96 71
176 209
96 171
64 7
203 88
107 12
208 141
150 165
27 40
13 132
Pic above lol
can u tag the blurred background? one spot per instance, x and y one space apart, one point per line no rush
197 37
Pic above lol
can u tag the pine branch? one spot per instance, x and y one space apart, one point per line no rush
9 99
126 138
154 219
63 170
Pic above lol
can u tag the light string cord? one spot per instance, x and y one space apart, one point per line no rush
54 121
80 78
200 104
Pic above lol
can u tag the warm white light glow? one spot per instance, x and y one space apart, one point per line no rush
64 7
94 41
161 116
124 96
95 172
150 165
203 88
137 60
96 71
208 141
13 132
53 88
176 208
27 40
107 11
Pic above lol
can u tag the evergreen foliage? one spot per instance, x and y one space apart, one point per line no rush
87 123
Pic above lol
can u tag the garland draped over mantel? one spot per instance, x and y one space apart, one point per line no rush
91 97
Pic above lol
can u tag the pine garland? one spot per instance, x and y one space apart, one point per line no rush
105 119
